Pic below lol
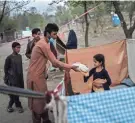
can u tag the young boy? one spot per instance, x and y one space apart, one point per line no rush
14 75
36 32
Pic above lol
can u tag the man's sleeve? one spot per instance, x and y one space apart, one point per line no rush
56 63
28 51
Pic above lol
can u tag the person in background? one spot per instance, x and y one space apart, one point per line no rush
37 69
52 43
36 37
53 46
1 36
29 39
14 75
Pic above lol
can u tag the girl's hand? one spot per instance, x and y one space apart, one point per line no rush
85 74
99 82
98 85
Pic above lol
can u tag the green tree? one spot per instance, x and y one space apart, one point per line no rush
9 6
85 5
9 25
118 6
63 15
30 19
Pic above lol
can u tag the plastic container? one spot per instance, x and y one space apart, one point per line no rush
115 20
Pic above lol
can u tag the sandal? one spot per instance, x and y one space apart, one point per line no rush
20 110
10 109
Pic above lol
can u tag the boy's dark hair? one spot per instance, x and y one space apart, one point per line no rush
51 27
15 44
100 58
35 30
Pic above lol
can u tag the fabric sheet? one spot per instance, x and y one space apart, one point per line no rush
115 106
131 58
115 62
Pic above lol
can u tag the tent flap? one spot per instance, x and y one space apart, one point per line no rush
115 58
131 58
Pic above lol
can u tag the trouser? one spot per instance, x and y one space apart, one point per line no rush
41 118
14 99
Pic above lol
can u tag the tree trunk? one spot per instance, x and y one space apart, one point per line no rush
82 26
118 12
3 10
15 7
128 32
131 12
130 18
87 25
129 35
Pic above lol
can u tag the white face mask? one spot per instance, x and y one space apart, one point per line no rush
51 40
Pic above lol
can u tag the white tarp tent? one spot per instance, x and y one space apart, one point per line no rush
131 58
26 34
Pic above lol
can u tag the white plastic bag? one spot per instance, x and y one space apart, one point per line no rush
81 67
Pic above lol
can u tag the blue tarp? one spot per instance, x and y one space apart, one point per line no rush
114 106
115 20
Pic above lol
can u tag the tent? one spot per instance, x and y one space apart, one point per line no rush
119 58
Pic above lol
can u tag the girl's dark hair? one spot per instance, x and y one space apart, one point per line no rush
15 44
50 28
100 58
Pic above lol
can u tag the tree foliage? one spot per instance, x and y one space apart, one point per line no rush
6 7
63 15
86 6
21 20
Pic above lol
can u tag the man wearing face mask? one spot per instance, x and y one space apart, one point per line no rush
53 46
37 72
52 43
36 35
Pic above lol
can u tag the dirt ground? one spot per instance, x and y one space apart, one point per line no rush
110 35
